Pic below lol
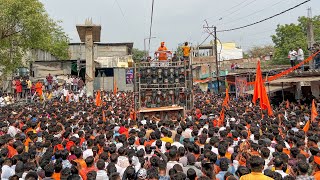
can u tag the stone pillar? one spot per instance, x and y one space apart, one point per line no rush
315 89
298 91
89 33
90 68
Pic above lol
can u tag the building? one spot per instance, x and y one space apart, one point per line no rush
112 63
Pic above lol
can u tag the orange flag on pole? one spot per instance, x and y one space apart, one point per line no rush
98 99
221 118
226 99
115 87
260 92
103 116
307 126
314 112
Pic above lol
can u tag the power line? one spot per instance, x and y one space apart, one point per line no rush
150 31
241 27
240 8
227 10
122 13
281 1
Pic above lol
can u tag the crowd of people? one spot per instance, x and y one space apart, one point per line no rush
79 140
22 88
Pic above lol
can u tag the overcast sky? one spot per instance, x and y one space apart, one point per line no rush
177 21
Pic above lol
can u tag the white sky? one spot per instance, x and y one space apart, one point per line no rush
177 21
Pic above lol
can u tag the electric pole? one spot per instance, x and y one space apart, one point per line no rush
214 51
216 56
310 35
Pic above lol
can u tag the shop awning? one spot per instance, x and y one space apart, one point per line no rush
272 89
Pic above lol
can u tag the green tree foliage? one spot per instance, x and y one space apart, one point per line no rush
179 50
137 54
292 36
25 25
261 51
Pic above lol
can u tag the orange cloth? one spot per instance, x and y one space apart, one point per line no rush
316 175
162 55
226 99
11 151
254 175
228 155
26 143
305 154
115 87
221 118
85 171
286 151
287 104
260 92
307 126
186 51
56 176
133 115
82 140
39 88
98 99
314 112
81 163
103 116
148 142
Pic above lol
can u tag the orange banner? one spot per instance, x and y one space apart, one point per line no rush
285 72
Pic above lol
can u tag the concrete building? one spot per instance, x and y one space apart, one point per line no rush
112 63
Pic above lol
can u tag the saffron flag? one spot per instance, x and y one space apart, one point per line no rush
226 99
115 87
98 99
260 92
221 118
103 116
307 126
314 112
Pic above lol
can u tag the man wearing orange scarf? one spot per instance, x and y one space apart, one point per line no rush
39 88
163 54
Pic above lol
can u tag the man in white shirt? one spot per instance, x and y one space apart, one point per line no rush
6 170
300 57
292 56
12 131
2 102
278 164
173 160
101 173
88 152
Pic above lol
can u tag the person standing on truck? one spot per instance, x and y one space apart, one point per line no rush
162 55
186 51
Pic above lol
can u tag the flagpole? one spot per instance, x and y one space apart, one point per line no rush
282 92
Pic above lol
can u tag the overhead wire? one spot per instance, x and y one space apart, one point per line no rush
237 5
255 12
257 22
240 8
121 11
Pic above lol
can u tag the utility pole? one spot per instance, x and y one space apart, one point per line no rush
310 35
214 51
216 56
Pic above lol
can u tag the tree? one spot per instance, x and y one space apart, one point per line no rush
137 54
261 51
25 25
292 36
